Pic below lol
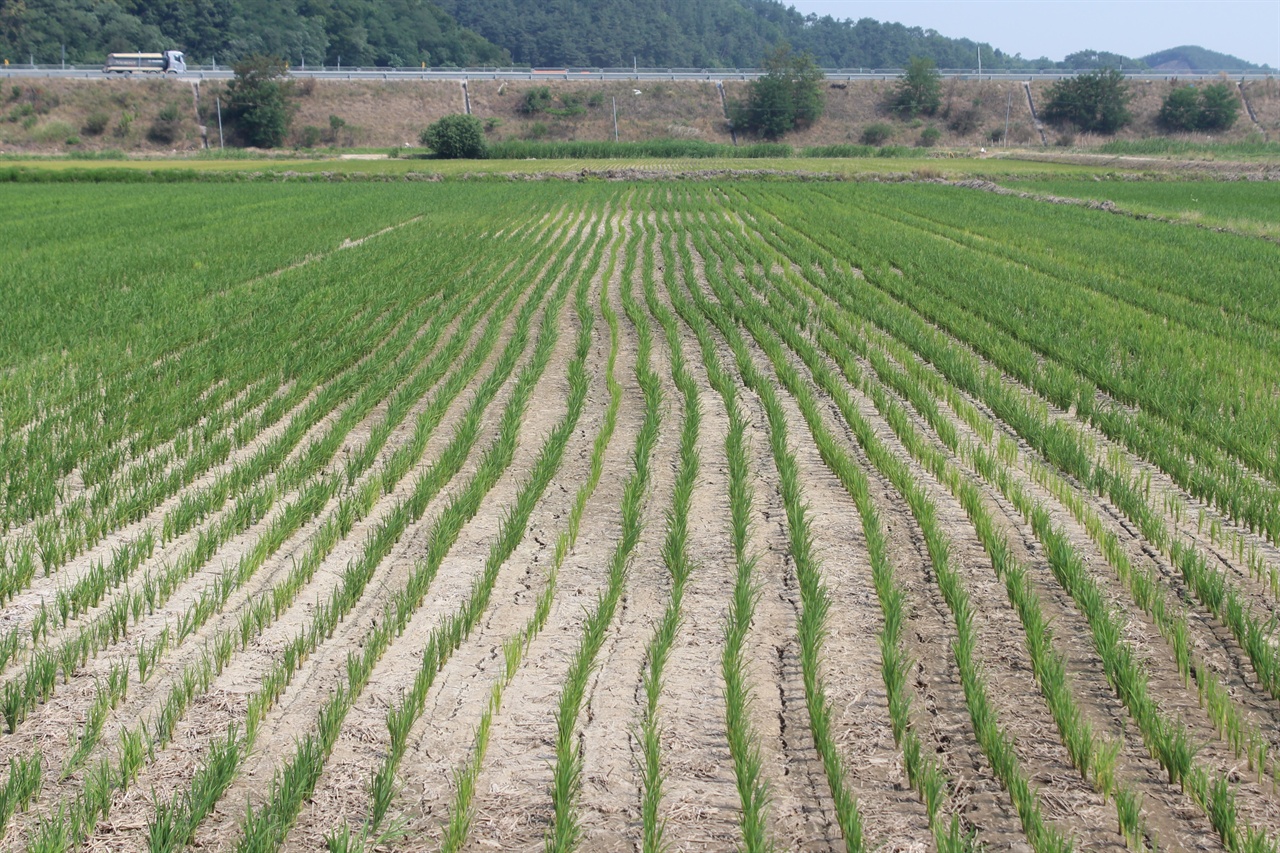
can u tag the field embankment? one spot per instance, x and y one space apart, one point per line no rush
162 116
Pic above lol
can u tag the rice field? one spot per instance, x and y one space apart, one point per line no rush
646 516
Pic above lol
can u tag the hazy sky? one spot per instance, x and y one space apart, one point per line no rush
1249 29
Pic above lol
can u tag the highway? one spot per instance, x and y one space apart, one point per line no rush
196 73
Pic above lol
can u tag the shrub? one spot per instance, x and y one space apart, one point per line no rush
456 137
929 137
73 140
1219 107
338 130
1213 107
1180 110
258 101
310 136
95 124
965 121
787 96
919 91
536 100
1096 102
167 127
877 134
596 100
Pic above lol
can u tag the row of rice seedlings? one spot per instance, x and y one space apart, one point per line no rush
1166 739
59 543
1180 397
1245 738
744 741
925 776
1067 449
160 487
1196 464
179 819
450 635
811 627
207 347
88 591
565 832
675 553
265 829
260 613
995 742
121 496
156 589
458 827
1095 760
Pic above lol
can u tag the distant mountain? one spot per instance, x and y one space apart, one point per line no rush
1191 58
546 33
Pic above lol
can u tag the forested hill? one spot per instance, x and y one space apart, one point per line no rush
354 32
545 33
706 33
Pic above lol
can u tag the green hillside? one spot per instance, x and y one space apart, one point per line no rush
546 33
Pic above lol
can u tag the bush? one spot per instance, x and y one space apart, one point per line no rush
919 92
1180 110
536 100
167 127
966 121
95 124
929 137
1097 102
1215 107
877 134
258 101
456 137
310 136
1219 107
787 96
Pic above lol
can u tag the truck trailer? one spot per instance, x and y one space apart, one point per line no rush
169 62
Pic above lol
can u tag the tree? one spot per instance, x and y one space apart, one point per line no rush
1180 110
258 101
1215 107
1219 107
787 96
456 137
919 90
1096 102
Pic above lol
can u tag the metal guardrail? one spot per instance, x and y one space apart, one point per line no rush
213 72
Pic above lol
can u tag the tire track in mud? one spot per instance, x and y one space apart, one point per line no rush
701 808
613 760
800 813
512 806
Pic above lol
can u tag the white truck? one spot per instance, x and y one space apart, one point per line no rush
169 62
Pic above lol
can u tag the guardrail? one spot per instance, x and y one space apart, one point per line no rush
214 72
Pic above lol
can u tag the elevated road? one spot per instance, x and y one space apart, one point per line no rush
595 74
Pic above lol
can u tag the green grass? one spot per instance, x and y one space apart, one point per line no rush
1246 206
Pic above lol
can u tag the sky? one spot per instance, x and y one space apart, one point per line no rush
1249 29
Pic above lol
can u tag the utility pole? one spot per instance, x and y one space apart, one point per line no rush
979 61
218 101
64 57
615 119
